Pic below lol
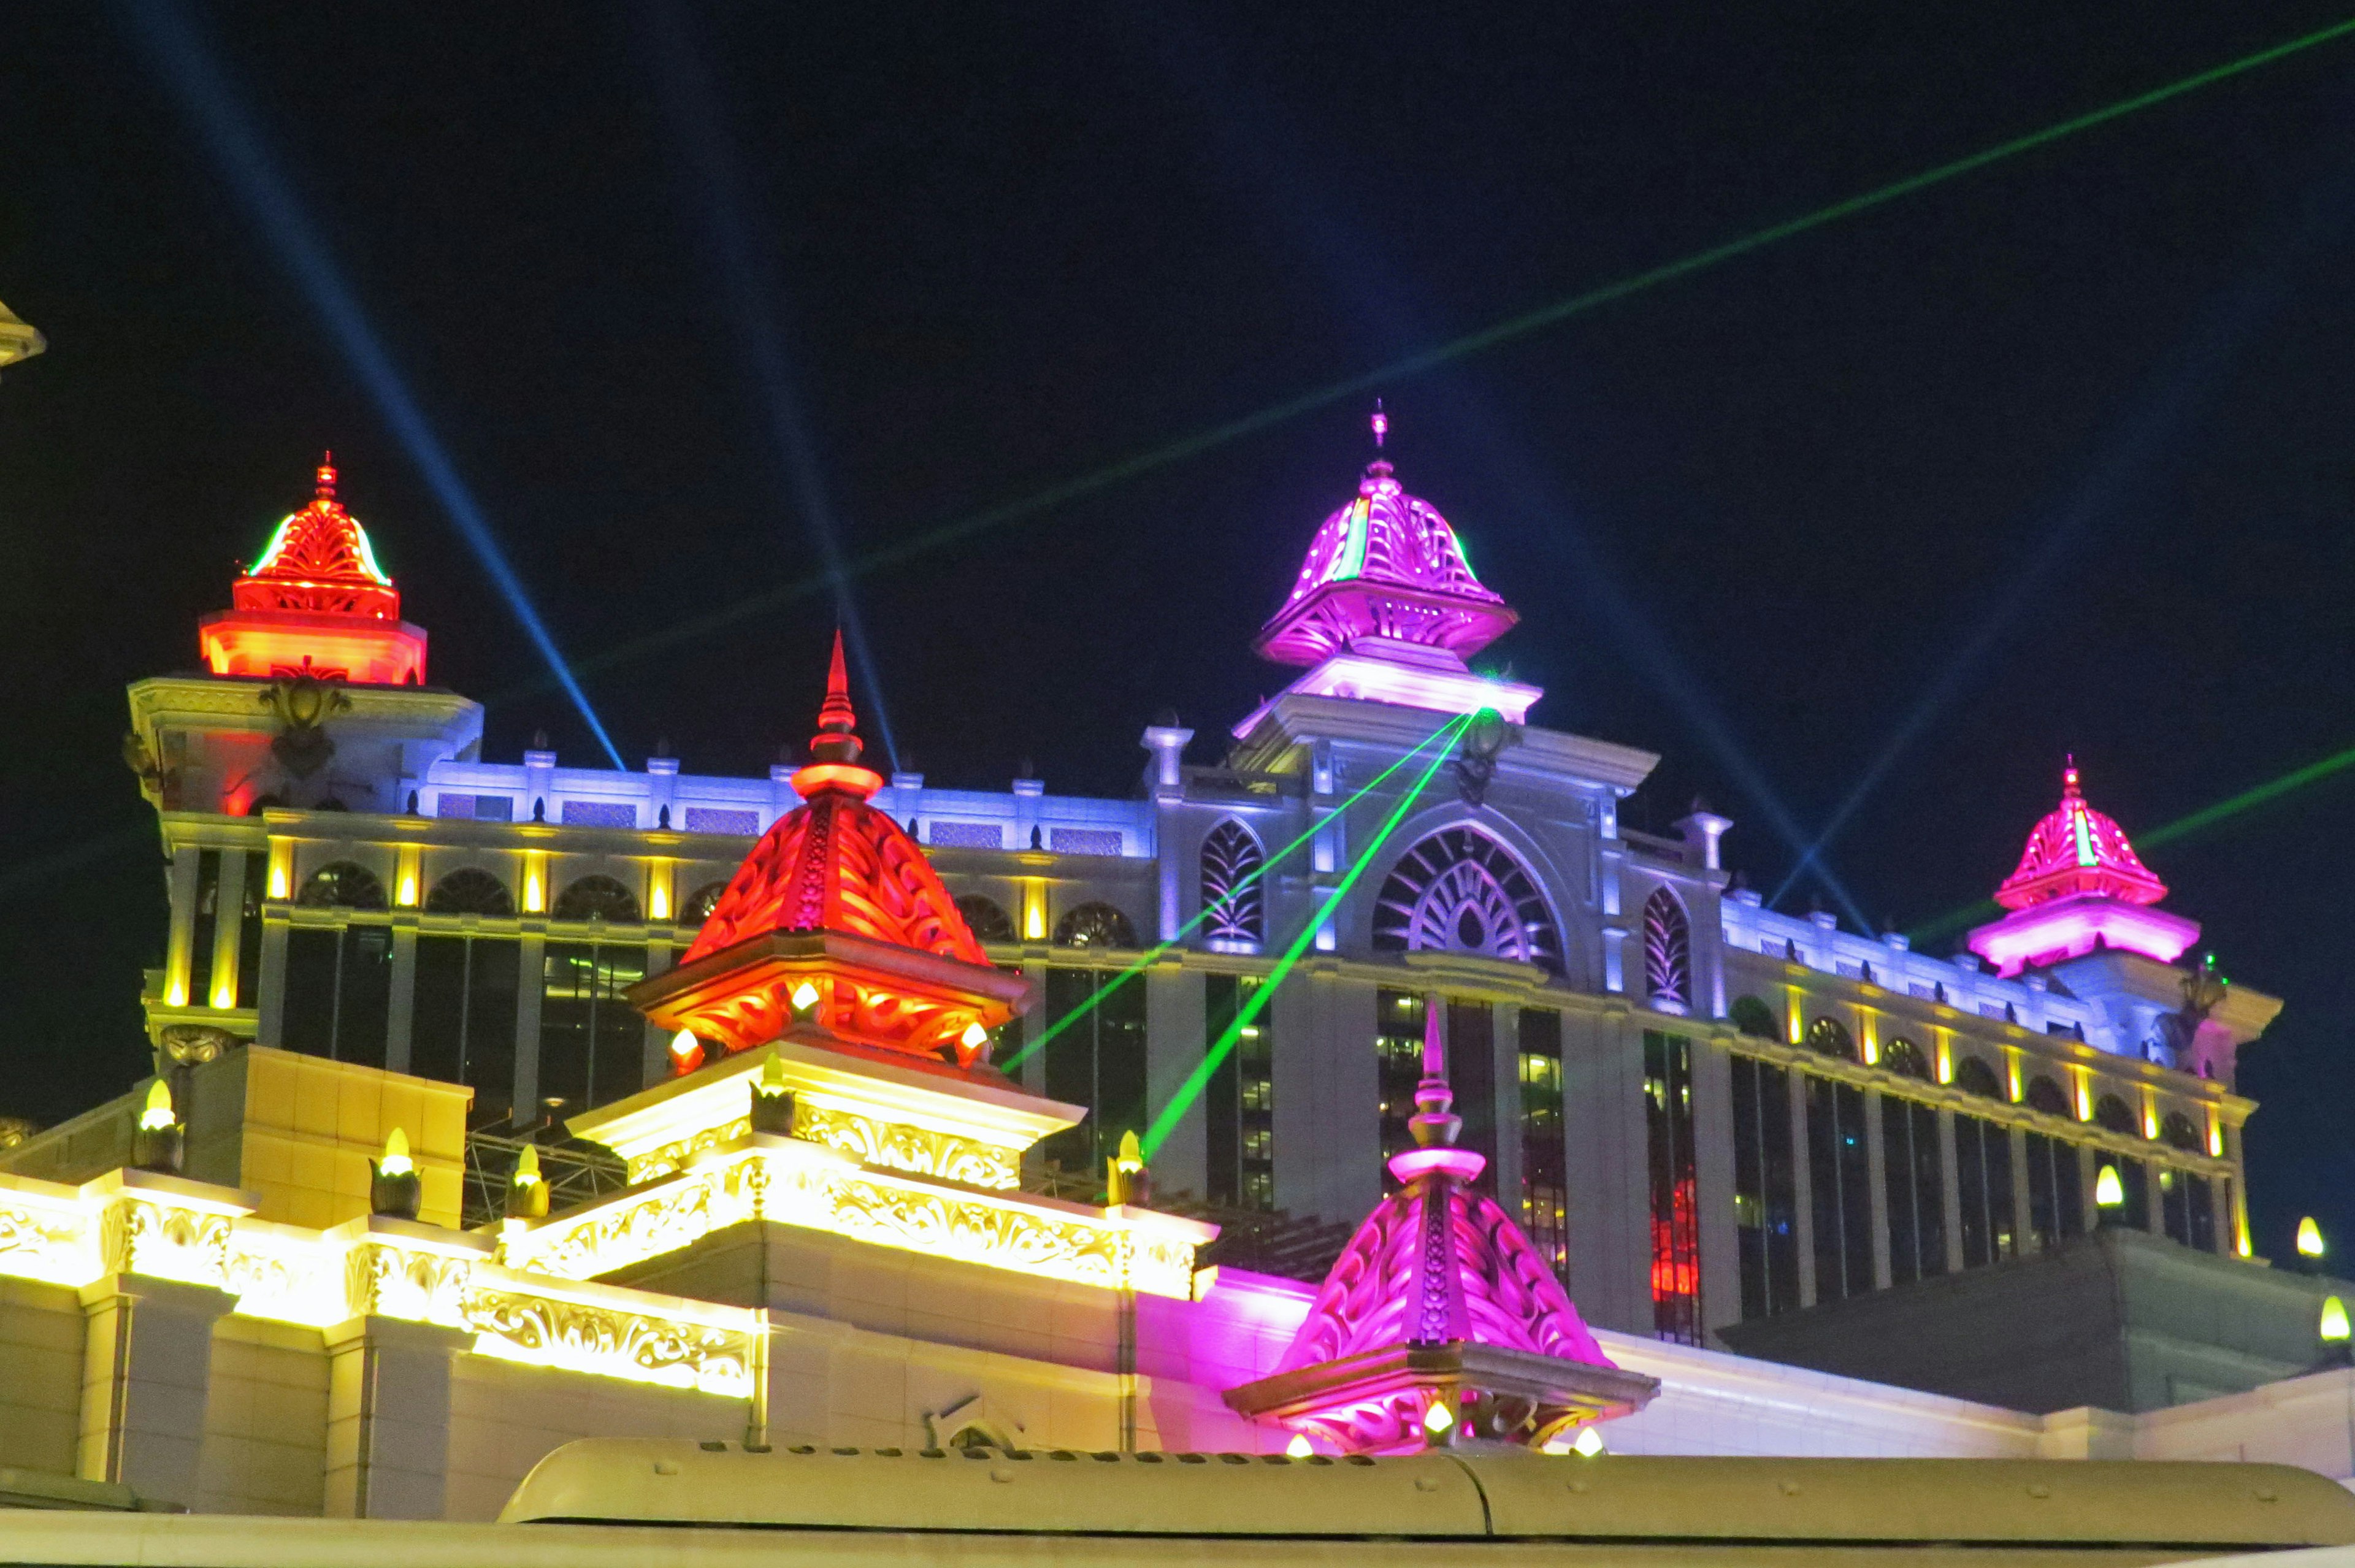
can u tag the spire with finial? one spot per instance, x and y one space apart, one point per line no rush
326 490
1381 423
837 725
1434 1124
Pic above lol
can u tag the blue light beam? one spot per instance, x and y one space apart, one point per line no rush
726 208
181 57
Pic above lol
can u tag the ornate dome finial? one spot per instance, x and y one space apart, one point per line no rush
1381 422
326 490
1434 1124
837 724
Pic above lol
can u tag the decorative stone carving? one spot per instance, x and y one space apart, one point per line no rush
917 1150
35 1244
142 1235
610 1341
384 1280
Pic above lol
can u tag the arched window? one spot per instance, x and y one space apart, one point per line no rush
1973 1076
1667 952
1094 925
345 885
706 899
2112 1112
1905 1058
987 917
2045 1095
1830 1036
1231 862
2177 1131
597 898
1756 1018
1459 891
470 890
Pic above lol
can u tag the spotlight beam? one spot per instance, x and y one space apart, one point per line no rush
688 94
184 60
1151 955
1386 376
1198 1080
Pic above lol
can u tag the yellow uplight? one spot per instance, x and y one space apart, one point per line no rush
396 1161
2109 1192
1438 1417
2333 1326
157 1115
225 995
2310 1239
526 1170
805 997
973 1037
1589 1443
659 900
1299 1448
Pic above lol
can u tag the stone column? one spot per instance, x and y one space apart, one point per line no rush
389 1417
1802 1189
1877 1166
400 1012
531 956
1176 1036
1950 1169
146 1371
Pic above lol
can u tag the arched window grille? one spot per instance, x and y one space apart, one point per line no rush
1459 891
2177 1131
1830 1036
1094 925
987 917
470 890
705 900
1905 1058
1973 1076
2045 1095
2115 1114
343 885
1231 862
597 898
1667 952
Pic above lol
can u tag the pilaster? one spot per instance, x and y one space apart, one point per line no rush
389 1417
147 1373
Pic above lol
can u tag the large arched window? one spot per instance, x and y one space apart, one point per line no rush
1830 1036
987 917
597 898
346 885
1231 862
1973 1076
2045 1095
470 890
705 900
1094 925
1667 952
1459 891
1905 1058
2112 1114
1754 1018
2177 1131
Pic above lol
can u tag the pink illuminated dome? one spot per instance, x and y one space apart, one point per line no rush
2076 849
1386 565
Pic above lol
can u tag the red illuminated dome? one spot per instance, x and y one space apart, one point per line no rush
2076 849
837 927
316 603
1387 565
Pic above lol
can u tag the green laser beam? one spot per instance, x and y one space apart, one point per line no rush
2184 827
1411 365
1198 1080
1151 955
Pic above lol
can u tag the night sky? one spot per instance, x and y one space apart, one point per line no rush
2055 456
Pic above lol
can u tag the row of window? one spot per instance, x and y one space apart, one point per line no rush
1825 1126
1973 1075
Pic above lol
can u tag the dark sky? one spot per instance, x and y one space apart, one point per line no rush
2054 457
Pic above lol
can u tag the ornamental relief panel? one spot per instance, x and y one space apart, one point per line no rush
42 1245
614 1342
916 1150
673 1156
137 1236
980 1231
394 1281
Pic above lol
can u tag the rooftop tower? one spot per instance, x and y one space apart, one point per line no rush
2080 886
316 603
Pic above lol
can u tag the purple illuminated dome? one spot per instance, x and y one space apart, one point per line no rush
1440 1323
1387 565
2080 888
2076 849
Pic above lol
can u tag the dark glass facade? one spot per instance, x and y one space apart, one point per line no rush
1675 1201
1765 1189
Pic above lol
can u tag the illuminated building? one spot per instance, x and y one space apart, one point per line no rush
863 1049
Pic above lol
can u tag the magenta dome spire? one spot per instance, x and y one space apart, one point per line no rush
1387 566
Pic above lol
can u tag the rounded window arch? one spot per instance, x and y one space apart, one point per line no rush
2045 1095
1905 1058
2113 1114
1830 1036
2177 1130
1973 1076
1667 952
1754 1018
1231 862
597 898
987 917
1459 891
346 885
470 890
1094 925
702 901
